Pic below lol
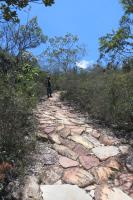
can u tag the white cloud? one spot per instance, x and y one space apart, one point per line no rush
85 64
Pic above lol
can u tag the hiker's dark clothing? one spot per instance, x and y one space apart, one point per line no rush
49 88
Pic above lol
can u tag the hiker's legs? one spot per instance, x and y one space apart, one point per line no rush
48 95
50 92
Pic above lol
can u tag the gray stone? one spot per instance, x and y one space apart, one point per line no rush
51 175
93 140
105 152
65 151
55 138
129 163
31 189
63 192
124 149
82 140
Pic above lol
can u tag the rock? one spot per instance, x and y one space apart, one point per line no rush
55 138
58 182
112 163
65 151
126 182
63 192
107 140
51 175
77 130
88 161
49 129
50 158
105 193
92 193
82 140
105 152
42 136
129 163
131 195
81 150
93 132
66 162
93 140
31 189
68 143
102 174
60 127
75 121
78 176
90 187
65 132
124 149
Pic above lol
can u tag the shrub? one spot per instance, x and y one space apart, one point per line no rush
105 95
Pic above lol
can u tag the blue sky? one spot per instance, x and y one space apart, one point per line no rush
89 19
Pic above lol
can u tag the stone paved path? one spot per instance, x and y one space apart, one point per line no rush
72 152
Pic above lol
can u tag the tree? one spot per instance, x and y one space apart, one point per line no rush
127 5
9 7
62 53
16 38
117 46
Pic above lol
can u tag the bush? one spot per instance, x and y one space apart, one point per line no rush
105 95
21 86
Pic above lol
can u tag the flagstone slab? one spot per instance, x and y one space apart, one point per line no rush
78 176
75 121
93 140
68 143
65 132
63 192
81 150
67 162
89 161
77 130
54 137
49 129
51 174
82 140
104 192
65 151
105 152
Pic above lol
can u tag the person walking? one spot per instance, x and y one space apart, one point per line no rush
49 87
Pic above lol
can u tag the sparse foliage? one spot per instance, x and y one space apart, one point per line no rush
9 8
61 53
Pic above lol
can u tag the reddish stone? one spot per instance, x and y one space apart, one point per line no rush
107 140
65 132
49 129
81 150
78 176
68 143
66 162
89 161
126 182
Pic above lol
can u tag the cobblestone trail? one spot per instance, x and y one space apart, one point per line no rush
76 161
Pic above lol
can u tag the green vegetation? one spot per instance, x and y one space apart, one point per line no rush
21 87
9 8
104 92
106 95
61 53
